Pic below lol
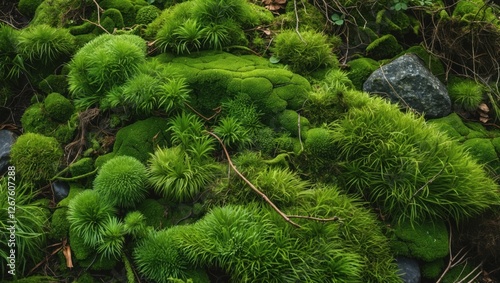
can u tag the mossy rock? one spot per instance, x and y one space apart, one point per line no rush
218 76
385 47
36 119
432 270
59 225
425 241
58 107
289 120
82 166
452 125
28 7
141 138
54 83
484 152
128 9
360 69
147 14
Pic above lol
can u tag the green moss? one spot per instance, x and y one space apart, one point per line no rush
82 166
28 7
384 47
360 69
452 125
426 241
483 150
115 15
59 226
84 28
319 143
58 107
54 83
289 120
74 190
127 8
35 120
101 159
37 279
79 249
474 10
147 14
305 53
432 270
36 157
141 138
218 76
309 15
464 272
154 212
465 94
52 12
85 278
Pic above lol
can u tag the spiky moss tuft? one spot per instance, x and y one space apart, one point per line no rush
305 53
242 240
363 236
389 157
465 94
178 177
135 224
291 122
87 215
36 157
360 69
147 14
31 219
103 63
113 238
45 44
28 7
385 47
58 107
122 181
140 139
158 256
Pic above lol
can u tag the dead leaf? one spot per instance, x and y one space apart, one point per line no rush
67 255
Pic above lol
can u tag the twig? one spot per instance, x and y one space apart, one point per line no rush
430 180
261 194
98 24
297 20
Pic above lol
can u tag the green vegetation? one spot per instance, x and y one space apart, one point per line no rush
122 181
229 140
304 52
36 157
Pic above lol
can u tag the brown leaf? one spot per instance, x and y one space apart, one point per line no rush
67 255
484 119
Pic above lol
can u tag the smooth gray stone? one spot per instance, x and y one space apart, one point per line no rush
409 270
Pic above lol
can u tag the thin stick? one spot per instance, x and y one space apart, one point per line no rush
261 194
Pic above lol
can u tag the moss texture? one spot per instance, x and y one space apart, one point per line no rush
218 76
360 69
384 47
58 107
141 138
426 241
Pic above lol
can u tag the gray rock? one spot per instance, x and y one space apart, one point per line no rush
61 190
408 270
408 82
7 139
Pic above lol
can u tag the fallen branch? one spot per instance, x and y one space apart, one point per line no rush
264 196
